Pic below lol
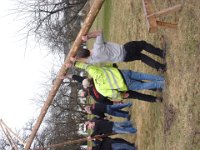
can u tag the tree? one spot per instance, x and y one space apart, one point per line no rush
64 117
53 22
3 144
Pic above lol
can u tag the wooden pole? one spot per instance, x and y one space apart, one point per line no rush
8 136
13 133
72 142
167 24
61 144
165 11
84 30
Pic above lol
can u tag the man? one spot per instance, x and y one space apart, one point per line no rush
112 52
102 126
91 91
125 95
100 110
107 143
111 82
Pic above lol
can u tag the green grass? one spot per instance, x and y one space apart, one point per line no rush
106 18
175 123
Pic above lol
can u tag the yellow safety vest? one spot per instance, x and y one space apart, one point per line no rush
108 80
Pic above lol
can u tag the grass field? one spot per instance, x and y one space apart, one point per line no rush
175 123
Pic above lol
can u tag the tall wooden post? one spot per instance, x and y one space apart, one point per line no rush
85 28
72 142
12 132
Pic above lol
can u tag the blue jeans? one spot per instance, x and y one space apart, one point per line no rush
134 80
114 110
123 127
122 146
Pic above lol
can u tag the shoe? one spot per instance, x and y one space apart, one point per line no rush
130 104
164 46
162 69
164 53
159 90
159 99
129 117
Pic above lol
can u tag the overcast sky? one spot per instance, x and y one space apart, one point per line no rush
22 73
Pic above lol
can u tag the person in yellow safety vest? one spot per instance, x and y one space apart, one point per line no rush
111 82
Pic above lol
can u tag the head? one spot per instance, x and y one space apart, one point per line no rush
83 53
83 93
90 125
87 83
87 109
89 148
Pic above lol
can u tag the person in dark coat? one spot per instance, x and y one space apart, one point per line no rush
104 127
100 110
108 143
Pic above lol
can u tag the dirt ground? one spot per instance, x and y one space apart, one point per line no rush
173 124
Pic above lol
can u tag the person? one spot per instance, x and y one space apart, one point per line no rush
100 110
107 143
112 52
104 127
89 91
99 98
112 82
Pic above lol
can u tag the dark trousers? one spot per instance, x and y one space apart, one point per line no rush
141 96
133 52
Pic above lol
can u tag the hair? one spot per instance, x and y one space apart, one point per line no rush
87 109
83 53
87 124
87 83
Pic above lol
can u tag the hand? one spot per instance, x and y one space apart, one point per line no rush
73 59
66 76
125 95
89 138
85 38
118 102
62 77
68 65
108 117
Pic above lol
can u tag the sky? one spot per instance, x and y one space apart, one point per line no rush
21 71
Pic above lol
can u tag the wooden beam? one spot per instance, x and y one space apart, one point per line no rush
96 6
165 11
72 142
167 24
151 21
8 136
152 17
13 133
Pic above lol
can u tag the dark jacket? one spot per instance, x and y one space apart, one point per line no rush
98 109
106 143
102 126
